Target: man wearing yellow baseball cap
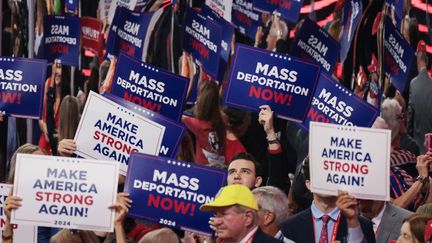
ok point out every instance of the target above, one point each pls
(236, 216)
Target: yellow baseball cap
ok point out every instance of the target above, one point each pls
(232, 195)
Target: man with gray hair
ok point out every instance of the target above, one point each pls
(272, 211)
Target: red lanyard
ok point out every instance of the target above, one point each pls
(335, 227)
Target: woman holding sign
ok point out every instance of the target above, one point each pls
(55, 90)
(208, 125)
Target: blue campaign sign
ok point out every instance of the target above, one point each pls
(62, 39)
(398, 56)
(170, 192)
(174, 131)
(22, 86)
(259, 77)
(333, 103)
(397, 7)
(150, 87)
(314, 43)
(245, 18)
(128, 32)
(202, 39)
(289, 9)
(351, 16)
(227, 37)
(71, 6)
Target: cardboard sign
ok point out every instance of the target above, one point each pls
(65, 192)
(91, 34)
(202, 39)
(128, 32)
(109, 131)
(351, 16)
(333, 103)
(258, 77)
(150, 87)
(114, 4)
(314, 43)
(170, 192)
(22, 86)
(62, 39)
(222, 7)
(174, 131)
(245, 18)
(289, 9)
(398, 56)
(21, 233)
(227, 38)
(356, 160)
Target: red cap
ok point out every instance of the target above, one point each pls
(372, 68)
(428, 231)
(376, 23)
(421, 46)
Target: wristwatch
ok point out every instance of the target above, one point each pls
(275, 140)
(422, 179)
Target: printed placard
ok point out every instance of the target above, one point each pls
(333, 103)
(150, 87)
(91, 34)
(202, 39)
(245, 18)
(103, 8)
(109, 131)
(22, 86)
(128, 32)
(114, 4)
(227, 38)
(352, 159)
(314, 43)
(351, 16)
(170, 192)
(62, 39)
(65, 192)
(289, 9)
(222, 7)
(398, 56)
(258, 77)
(21, 233)
(71, 6)
(174, 131)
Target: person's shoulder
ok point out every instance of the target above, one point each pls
(297, 219)
(260, 236)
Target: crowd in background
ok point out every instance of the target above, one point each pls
(265, 156)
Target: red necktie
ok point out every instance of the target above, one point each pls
(324, 234)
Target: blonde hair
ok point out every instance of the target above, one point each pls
(27, 148)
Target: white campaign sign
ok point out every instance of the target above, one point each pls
(109, 131)
(129, 4)
(21, 233)
(65, 192)
(222, 7)
(352, 159)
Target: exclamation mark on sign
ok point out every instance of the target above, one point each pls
(192, 211)
(158, 108)
(289, 100)
(85, 212)
(362, 181)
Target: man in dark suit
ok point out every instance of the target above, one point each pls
(420, 101)
(387, 218)
(236, 216)
(329, 219)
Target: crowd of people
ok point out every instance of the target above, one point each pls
(267, 197)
